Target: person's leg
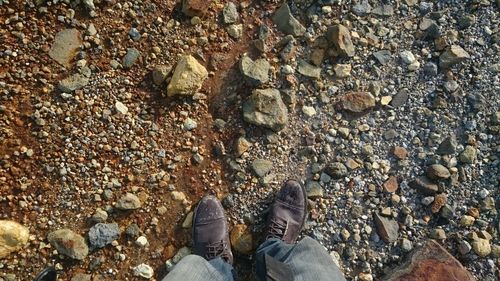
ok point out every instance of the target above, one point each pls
(196, 268)
(305, 261)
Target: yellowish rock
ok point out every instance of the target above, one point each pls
(241, 239)
(13, 236)
(188, 77)
(385, 100)
(481, 247)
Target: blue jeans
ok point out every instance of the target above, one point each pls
(276, 260)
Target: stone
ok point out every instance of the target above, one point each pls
(400, 152)
(13, 237)
(134, 34)
(399, 99)
(261, 167)
(160, 73)
(128, 202)
(407, 57)
(464, 247)
(133, 230)
(120, 107)
(387, 228)
(242, 146)
(314, 190)
(468, 155)
(438, 234)
(391, 184)
(424, 186)
(406, 245)
(178, 195)
(287, 23)
(99, 216)
(308, 70)
(362, 8)
(384, 10)
(193, 8)
(188, 77)
(447, 146)
(188, 221)
(383, 56)
(339, 38)
(439, 201)
(342, 70)
(481, 247)
(68, 243)
(430, 29)
(430, 262)
(467, 220)
(357, 102)
(72, 83)
(430, 69)
(143, 270)
(130, 57)
(235, 30)
(266, 108)
(309, 111)
(452, 56)
(230, 13)
(141, 241)
(81, 277)
(256, 72)
(103, 234)
(241, 239)
(437, 172)
(336, 170)
(189, 124)
(66, 44)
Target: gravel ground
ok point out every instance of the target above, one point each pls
(388, 114)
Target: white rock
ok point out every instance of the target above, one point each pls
(141, 241)
(143, 270)
(309, 111)
(407, 57)
(120, 107)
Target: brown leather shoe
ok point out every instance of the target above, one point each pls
(288, 213)
(210, 233)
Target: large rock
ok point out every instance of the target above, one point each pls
(336, 170)
(241, 239)
(453, 55)
(130, 57)
(72, 83)
(431, 262)
(261, 167)
(339, 38)
(187, 78)
(128, 202)
(357, 102)
(68, 243)
(103, 234)
(287, 23)
(266, 108)
(66, 44)
(230, 13)
(256, 72)
(387, 228)
(193, 8)
(13, 236)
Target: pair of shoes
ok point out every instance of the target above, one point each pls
(48, 274)
(285, 221)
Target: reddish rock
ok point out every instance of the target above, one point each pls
(431, 262)
(438, 203)
(357, 102)
(400, 152)
(195, 7)
(391, 185)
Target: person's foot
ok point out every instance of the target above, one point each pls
(288, 213)
(48, 274)
(210, 233)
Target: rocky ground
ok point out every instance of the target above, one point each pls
(116, 117)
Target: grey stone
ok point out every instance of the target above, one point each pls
(287, 23)
(103, 234)
(265, 108)
(406, 245)
(383, 56)
(339, 38)
(447, 146)
(230, 13)
(261, 167)
(430, 69)
(256, 72)
(430, 27)
(387, 228)
(130, 58)
(362, 8)
(308, 70)
(235, 30)
(437, 172)
(133, 230)
(160, 73)
(453, 55)
(68, 243)
(128, 202)
(384, 10)
(81, 277)
(399, 99)
(314, 190)
(336, 170)
(66, 44)
(134, 34)
(72, 83)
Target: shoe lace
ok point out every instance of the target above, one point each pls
(277, 229)
(217, 249)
